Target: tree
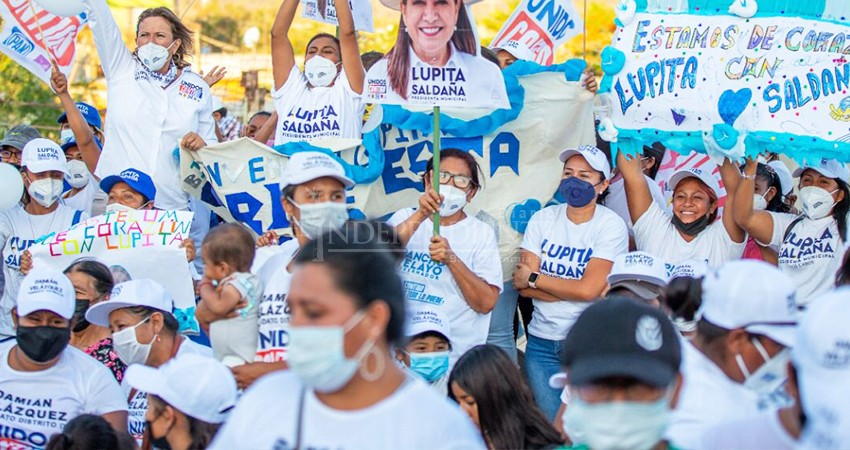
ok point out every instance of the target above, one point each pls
(24, 98)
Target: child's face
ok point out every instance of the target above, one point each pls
(427, 344)
(212, 270)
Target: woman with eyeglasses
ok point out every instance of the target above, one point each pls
(458, 272)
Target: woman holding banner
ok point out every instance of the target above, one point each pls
(812, 244)
(324, 101)
(152, 97)
(435, 60)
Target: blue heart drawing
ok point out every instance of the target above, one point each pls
(732, 104)
(521, 213)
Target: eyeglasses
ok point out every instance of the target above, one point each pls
(7, 154)
(460, 181)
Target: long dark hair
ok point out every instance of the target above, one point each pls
(507, 414)
(178, 30)
(839, 212)
(656, 151)
(398, 58)
(201, 433)
(768, 175)
(85, 432)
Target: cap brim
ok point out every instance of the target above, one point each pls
(681, 175)
(798, 172)
(783, 334)
(98, 314)
(639, 367)
(616, 278)
(145, 379)
(636, 288)
(46, 167)
(566, 154)
(558, 380)
(107, 183)
(346, 182)
(30, 307)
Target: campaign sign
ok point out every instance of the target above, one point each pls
(542, 25)
(325, 12)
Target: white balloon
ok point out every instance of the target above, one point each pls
(11, 186)
(64, 8)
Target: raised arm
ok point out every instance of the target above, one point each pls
(82, 132)
(759, 224)
(283, 55)
(114, 56)
(349, 49)
(638, 195)
(731, 176)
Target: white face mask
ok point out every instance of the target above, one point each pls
(817, 202)
(617, 425)
(154, 56)
(317, 355)
(759, 202)
(770, 376)
(117, 207)
(45, 191)
(66, 135)
(454, 200)
(320, 218)
(320, 71)
(78, 174)
(128, 347)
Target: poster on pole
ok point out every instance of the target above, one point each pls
(543, 26)
(325, 12)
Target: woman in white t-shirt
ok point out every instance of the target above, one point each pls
(458, 272)
(566, 255)
(144, 331)
(43, 167)
(343, 389)
(692, 231)
(45, 382)
(812, 244)
(153, 98)
(324, 101)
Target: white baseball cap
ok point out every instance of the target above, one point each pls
(307, 166)
(638, 266)
(517, 49)
(46, 289)
(786, 181)
(829, 168)
(752, 295)
(595, 157)
(690, 268)
(195, 385)
(131, 293)
(396, 4)
(423, 319)
(702, 174)
(41, 155)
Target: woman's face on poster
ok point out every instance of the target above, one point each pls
(430, 23)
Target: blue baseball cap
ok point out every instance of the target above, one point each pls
(90, 113)
(73, 143)
(136, 179)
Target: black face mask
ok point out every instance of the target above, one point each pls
(156, 442)
(691, 229)
(79, 319)
(42, 344)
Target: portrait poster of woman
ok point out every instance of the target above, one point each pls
(324, 11)
(435, 60)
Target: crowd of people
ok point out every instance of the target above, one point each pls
(712, 320)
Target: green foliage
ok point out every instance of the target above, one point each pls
(24, 98)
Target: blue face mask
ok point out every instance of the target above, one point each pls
(576, 192)
(430, 366)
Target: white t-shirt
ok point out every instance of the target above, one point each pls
(616, 199)
(90, 199)
(466, 81)
(564, 249)
(306, 114)
(18, 231)
(655, 234)
(139, 400)
(146, 122)
(431, 284)
(811, 255)
(708, 398)
(273, 311)
(413, 417)
(35, 405)
(762, 431)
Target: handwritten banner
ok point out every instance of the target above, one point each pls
(22, 40)
(542, 25)
(134, 244)
(780, 82)
(325, 12)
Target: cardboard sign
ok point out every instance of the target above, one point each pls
(325, 12)
(542, 25)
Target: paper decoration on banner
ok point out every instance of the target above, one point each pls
(542, 25)
(699, 77)
(22, 40)
(134, 244)
(516, 149)
(460, 78)
(325, 12)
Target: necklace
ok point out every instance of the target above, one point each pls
(49, 225)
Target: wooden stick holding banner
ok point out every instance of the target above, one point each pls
(41, 34)
(435, 180)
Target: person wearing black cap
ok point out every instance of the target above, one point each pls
(624, 386)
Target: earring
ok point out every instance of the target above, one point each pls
(380, 365)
